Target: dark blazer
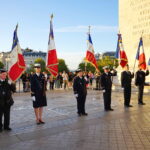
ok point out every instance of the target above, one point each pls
(6, 91)
(79, 86)
(140, 77)
(106, 81)
(38, 90)
(126, 78)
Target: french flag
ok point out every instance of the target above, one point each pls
(140, 56)
(120, 53)
(52, 61)
(90, 53)
(16, 59)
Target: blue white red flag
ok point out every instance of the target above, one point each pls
(90, 57)
(120, 53)
(52, 61)
(140, 56)
(16, 59)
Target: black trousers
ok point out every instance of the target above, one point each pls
(140, 93)
(5, 111)
(127, 95)
(81, 104)
(107, 99)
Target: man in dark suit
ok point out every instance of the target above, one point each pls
(106, 84)
(6, 100)
(140, 82)
(126, 79)
(80, 91)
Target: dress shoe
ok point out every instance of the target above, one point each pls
(128, 105)
(38, 122)
(111, 109)
(141, 103)
(79, 114)
(7, 129)
(41, 122)
(85, 114)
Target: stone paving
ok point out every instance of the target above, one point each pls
(122, 129)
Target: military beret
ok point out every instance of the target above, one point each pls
(37, 66)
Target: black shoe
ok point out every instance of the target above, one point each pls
(141, 103)
(79, 114)
(38, 123)
(7, 129)
(85, 114)
(128, 105)
(111, 109)
(106, 109)
(41, 122)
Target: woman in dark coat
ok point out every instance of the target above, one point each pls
(38, 93)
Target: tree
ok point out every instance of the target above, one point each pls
(105, 61)
(86, 67)
(62, 66)
(1, 65)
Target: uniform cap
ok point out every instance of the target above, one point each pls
(37, 66)
(78, 70)
(106, 67)
(2, 70)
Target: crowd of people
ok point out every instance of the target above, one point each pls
(36, 83)
(62, 81)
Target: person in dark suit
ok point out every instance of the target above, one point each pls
(38, 93)
(6, 100)
(80, 92)
(140, 82)
(126, 79)
(106, 85)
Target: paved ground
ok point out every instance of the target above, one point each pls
(122, 129)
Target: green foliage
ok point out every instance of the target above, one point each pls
(62, 66)
(1, 65)
(105, 61)
(87, 67)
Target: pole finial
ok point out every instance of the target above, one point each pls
(52, 16)
(89, 29)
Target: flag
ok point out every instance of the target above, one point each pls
(52, 61)
(90, 57)
(120, 53)
(16, 59)
(148, 62)
(140, 56)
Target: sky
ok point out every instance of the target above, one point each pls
(70, 23)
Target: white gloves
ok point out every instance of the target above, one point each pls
(33, 98)
(76, 95)
(103, 91)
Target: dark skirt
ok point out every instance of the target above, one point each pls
(40, 100)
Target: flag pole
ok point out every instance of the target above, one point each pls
(85, 60)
